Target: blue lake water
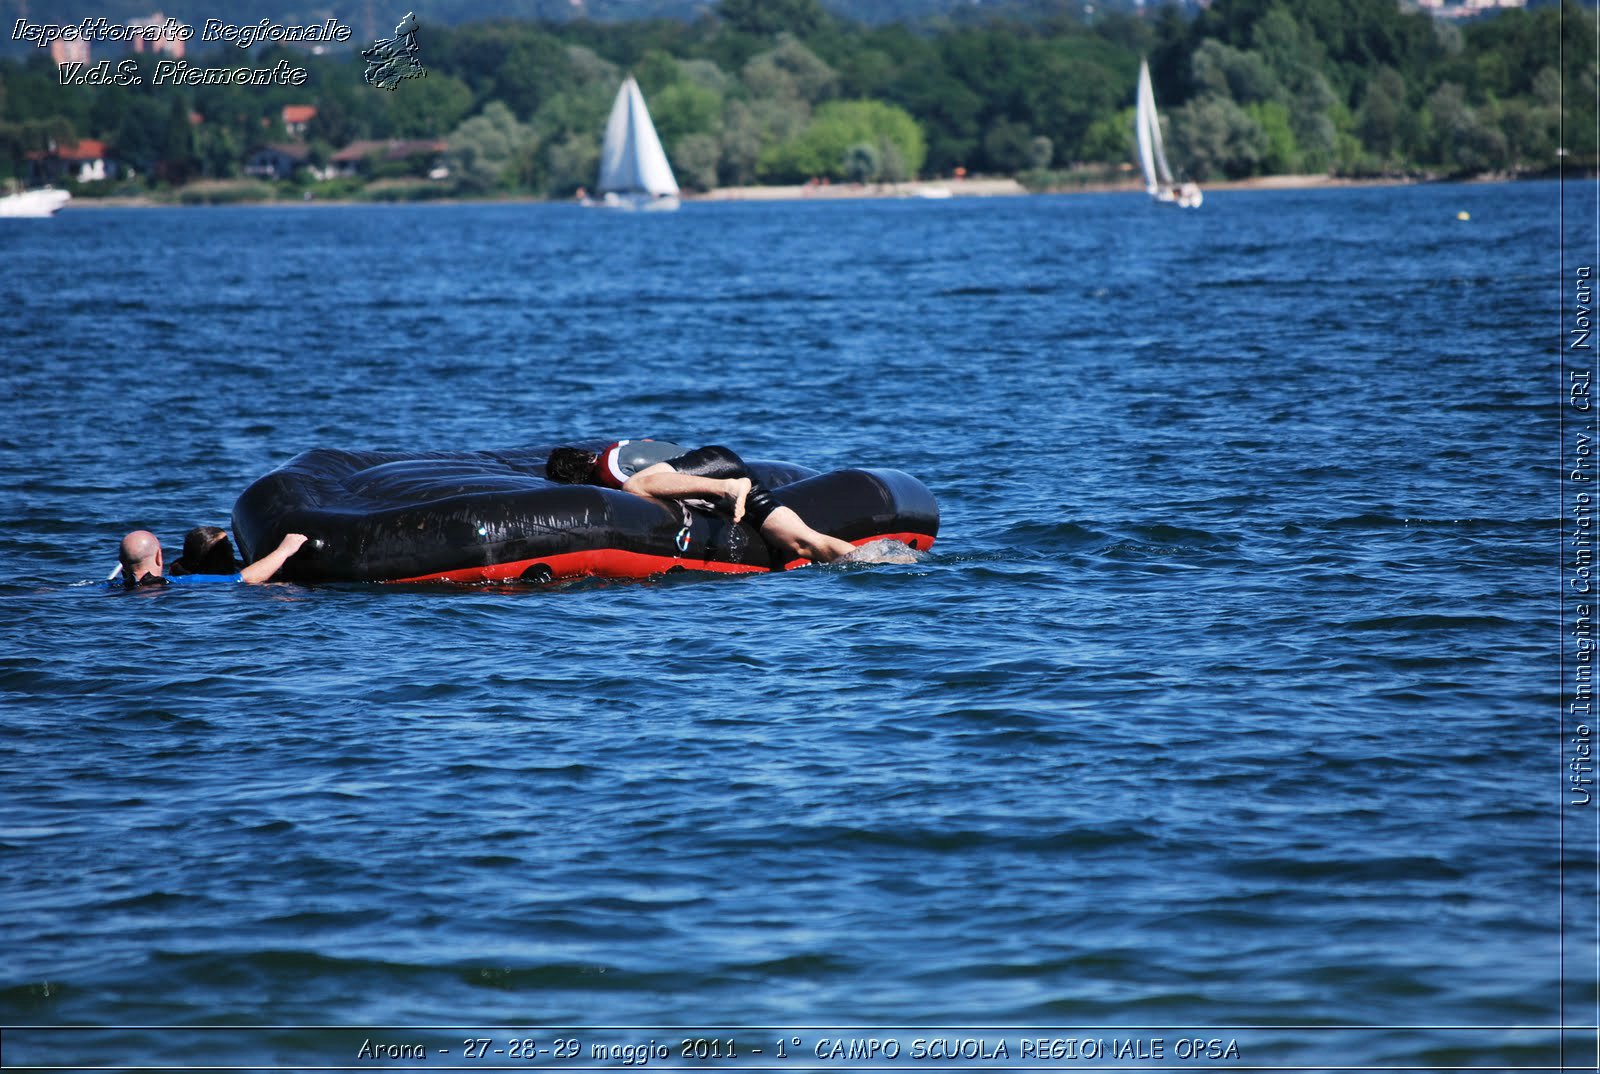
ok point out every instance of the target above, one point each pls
(1227, 696)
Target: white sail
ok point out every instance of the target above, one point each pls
(1144, 109)
(1152, 154)
(1158, 181)
(632, 162)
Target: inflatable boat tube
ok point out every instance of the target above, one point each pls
(489, 516)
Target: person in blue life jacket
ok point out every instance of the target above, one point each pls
(141, 563)
(658, 469)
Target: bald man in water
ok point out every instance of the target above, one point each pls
(140, 555)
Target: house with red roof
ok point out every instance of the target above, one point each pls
(416, 157)
(296, 117)
(84, 161)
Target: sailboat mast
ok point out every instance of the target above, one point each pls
(1152, 152)
(1144, 111)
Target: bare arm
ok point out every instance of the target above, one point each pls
(783, 526)
(664, 483)
(265, 567)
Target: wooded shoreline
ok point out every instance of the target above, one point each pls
(964, 188)
(763, 94)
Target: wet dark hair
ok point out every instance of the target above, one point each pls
(207, 550)
(571, 466)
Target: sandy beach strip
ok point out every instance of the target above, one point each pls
(981, 187)
(930, 188)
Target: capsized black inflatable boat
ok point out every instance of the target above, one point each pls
(475, 516)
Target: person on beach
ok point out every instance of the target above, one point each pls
(657, 469)
(141, 563)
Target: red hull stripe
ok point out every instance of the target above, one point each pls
(615, 563)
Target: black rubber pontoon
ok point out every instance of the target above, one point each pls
(475, 516)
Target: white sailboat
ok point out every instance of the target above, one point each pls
(634, 173)
(42, 202)
(1158, 181)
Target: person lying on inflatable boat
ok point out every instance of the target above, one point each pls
(658, 469)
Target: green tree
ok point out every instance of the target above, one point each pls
(530, 71)
(867, 72)
(179, 159)
(695, 161)
(333, 122)
(1279, 152)
(1355, 37)
(588, 70)
(1461, 141)
(706, 75)
(1291, 50)
(789, 70)
(1225, 71)
(897, 137)
(739, 146)
(763, 18)
(1380, 121)
(1110, 139)
(951, 111)
(1082, 79)
(684, 109)
(655, 71)
(861, 162)
(1041, 153)
(1532, 124)
(483, 149)
(475, 53)
(1213, 136)
(1006, 147)
(17, 140)
(430, 106)
(1528, 132)
(576, 111)
(1546, 88)
(1286, 45)
(748, 127)
(571, 161)
(141, 136)
(820, 149)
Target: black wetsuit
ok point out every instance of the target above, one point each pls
(625, 458)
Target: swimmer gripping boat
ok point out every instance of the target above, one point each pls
(42, 202)
(1158, 181)
(634, 173)
(488, 516)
